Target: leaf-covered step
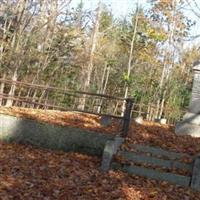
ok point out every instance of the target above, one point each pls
(154, 174)
(142, 159)
(155, 151)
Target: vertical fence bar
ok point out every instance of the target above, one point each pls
(127, 117)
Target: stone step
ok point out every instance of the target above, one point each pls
(142, 159)
(154, 174)
(155, 151)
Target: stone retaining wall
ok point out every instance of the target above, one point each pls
(26, 131)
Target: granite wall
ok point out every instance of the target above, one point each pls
(26, 131)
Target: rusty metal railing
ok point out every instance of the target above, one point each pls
(48, 97)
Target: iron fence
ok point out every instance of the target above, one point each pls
(28, 95)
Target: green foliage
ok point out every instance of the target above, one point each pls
(55, 50)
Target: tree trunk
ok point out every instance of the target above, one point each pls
(130, 57)
(90, 66)
(11, 93)
(167, 67)
(104, 88)
(2, 89)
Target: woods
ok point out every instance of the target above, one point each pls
(142, 56)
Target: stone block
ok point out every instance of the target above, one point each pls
(184, 128)
(163, 121)
(110, 150)
(191, 118)
(139, 120)
(194, 104)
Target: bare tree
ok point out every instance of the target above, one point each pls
(131, 55)
(89, 69)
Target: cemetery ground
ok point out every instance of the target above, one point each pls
(27, 172)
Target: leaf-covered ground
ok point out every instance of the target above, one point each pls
(27, 172)
(30, 173)
(154, 134)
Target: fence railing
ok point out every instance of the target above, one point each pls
(22, 94)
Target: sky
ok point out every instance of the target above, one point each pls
(121, 8)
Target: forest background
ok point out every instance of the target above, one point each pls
(145, 51)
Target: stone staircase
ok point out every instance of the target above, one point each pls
(154, 163)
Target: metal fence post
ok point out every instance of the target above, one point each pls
(127, 117)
